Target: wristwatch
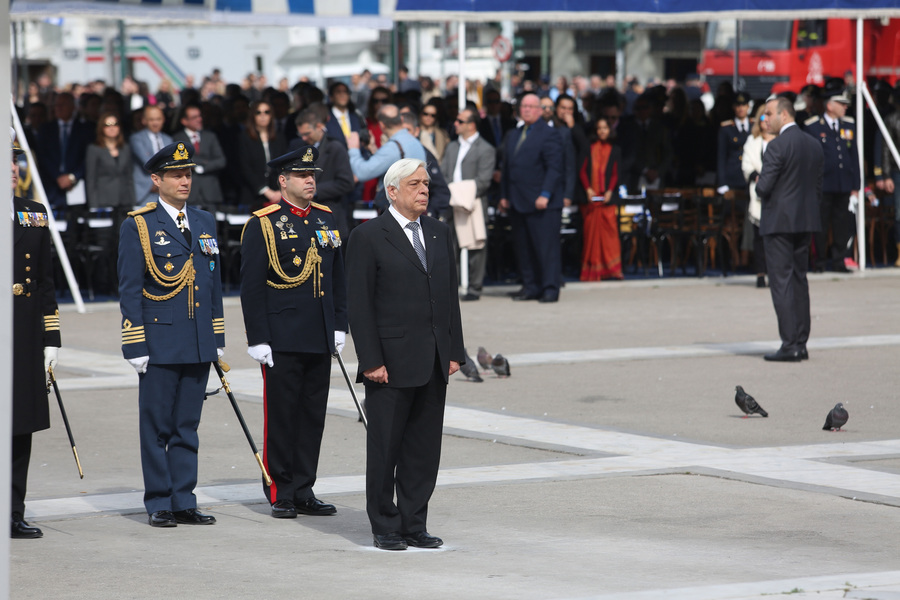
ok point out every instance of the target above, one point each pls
(72, 178)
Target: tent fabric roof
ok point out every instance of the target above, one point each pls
(643, 11)
(302, 13)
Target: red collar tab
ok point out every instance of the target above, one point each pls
(300, 212)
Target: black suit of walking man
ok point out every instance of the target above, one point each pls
(406, 326)
(789, 187)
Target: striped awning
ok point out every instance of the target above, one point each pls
(305, 13)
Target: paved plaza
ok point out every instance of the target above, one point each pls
(613, 463)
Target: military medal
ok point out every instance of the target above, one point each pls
(297, 261)
(284, 218)
(335, 238)
(169, 267)
(208, 244)
(322, 224)
(32, 219)
(161, 241)
(322, 237)
(212, 265)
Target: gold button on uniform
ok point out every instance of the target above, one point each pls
(27, 280)
(27, 256)
(155, 320)
(196, 304)
(196, 287)
(27, 268)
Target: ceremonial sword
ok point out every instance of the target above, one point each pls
(52, 382)
(362, 413)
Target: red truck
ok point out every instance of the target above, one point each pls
(778, 56)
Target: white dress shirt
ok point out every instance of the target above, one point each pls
(464, 146)
(404, 222)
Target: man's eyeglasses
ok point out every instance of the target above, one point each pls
(461, 122)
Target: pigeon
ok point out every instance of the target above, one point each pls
(747, 403)
(836, 418)
(484, 359)
(469, 369)
(500, 366)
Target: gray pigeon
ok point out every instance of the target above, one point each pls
(836, 418)
(500, 366)
(484, 359)
(469, 369)
(747, 403)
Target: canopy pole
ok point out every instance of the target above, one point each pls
(861, 204)
(737, 55)
(461, 100)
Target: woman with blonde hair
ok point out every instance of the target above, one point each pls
(751, 165)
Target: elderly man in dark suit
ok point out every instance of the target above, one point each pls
(407, 330)
(207, 154)
(336, 179)
(789, 187)
(62, 149)
(531, 188)
(470, 157)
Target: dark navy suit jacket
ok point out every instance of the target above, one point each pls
(535, 168)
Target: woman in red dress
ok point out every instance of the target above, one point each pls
(601, 256)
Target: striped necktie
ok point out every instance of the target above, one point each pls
(417, 243)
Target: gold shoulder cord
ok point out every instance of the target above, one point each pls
(183, 278)
(312, 264)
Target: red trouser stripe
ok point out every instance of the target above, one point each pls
(273, 489)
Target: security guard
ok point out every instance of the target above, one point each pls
(837, 133)
(732, 136)
(294, 300)
(172, 329)
(36, 340)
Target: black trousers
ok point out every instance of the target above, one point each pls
(403, 451)
(835, 215)
(787, 256)
(21, 456)
(295, 396)
(537, 243)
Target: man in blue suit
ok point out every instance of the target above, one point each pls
(62, 148)
(344, 118)
(531, 188)
(144, 144)
(173, 326)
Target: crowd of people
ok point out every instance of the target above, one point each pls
(605, 143)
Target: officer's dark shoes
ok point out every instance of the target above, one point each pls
(390, 541)
(192, 516)
(20, 529)
(315, 507)
(162, 518)
(422, 539)
(284, 509)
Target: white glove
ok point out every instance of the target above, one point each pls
(51, 354)
(220, 352)
(140, 363)
(722, 190)
(261, 353)
(852, 207)
(339, 339)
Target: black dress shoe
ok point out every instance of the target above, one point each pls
(192, 516)
(284, 509)
(20, 529)
(523, 297)
(784, 356)
(422, 539)
(470, 298)
(804, 355)
(760, 281)
(549, 297)
(390, 541)
(315, 507)
(162, 518)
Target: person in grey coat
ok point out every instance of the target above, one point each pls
(471, 157)
(144, 144)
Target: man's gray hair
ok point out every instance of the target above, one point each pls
(402, 169)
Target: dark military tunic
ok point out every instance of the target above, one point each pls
(35, 316)
(293, 296)
(730, 154)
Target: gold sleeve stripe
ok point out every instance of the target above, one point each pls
(134, 341)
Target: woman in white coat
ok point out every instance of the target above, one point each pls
(751, 164)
